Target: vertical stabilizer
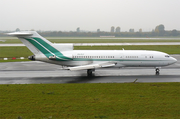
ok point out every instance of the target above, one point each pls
(26, 38)
(39, 45)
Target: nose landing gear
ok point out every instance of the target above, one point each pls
(157, 71)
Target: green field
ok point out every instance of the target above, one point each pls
(14, 51)
(92, 40)
(90, 101)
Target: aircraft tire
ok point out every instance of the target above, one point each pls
(157, 71)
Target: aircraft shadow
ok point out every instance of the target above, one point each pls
(84, 79)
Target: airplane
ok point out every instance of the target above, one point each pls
(69, 59)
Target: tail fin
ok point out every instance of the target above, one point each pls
(39, 45)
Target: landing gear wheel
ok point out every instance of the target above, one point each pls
(157, 71)
(89, 72)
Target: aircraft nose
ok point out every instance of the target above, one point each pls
(174, 60)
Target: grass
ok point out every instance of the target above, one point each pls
(88, 101)
(14, 60)
(14, 51)
(94, 40)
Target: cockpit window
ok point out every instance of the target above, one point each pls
(167, 56)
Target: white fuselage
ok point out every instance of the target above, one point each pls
(122, 58)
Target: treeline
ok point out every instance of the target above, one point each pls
(173, 33)
(109, 34)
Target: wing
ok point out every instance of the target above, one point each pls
(93, 66)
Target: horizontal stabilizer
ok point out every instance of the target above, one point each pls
(19, 34)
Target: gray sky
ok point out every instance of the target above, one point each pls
(67, 15)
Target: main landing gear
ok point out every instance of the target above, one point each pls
(157, 71)
(89, 72)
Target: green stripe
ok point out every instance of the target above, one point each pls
(48, 46)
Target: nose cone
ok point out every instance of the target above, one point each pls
(173, 60)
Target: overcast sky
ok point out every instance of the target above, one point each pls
(67, 15)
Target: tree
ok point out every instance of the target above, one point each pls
(174, 32)
(17, 30)
(160, 29)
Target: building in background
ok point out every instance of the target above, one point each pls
(118, 29)
(140, 30)
(78, 29)
(98, 30)
(131, 30)
(112, 29)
